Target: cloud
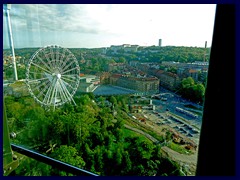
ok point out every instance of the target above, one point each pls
(112, 23)
(50, 17)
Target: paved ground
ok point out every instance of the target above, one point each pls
(160, 120)
(112, 90)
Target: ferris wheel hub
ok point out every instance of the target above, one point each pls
(58, 76)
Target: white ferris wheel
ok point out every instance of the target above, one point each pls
(53, 76)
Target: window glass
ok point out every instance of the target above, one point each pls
(113, 89)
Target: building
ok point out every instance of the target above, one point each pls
(124, 48)
(194, 74)
(169, 80)
(181, 72)
(92, 79)
(115, 48)
(104, 77)
(88, 83)
(160, 42)
(86, 87)
(104, 50)
(134, 63)
(131, 48)
(194, 65)
(203, 75)
(147, 85)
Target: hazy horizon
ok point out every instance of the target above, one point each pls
(103, 25)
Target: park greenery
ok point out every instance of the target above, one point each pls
(90, 135)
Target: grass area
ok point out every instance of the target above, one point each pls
(130, 122)
(17, 84)
(134, 123)
(130, 133)
(178, 148)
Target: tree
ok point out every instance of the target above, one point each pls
(21, 72)
(122, 60)
(16, 110)
(118, 156)
(192, 91)
(98, 158)
(172, 70)
(36, 113)
(168, 136)
(31, 167)
(126, 163)
(68, 154)
(119, 135)
(8, 73)
(199, 92)
(37, 132)
(111, 61)
(101, 101)
(187, 82)
(84, 100)
(169, 168)
(113, 100)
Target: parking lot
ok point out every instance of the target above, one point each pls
(169, 120)
(174, 102)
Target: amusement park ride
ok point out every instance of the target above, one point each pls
(53, 76)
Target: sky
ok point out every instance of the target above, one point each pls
(103, 25)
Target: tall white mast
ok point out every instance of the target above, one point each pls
(7, 8)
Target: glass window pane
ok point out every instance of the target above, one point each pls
(115, 89)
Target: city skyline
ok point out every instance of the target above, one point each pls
(94, 26)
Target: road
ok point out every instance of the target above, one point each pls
(112, 90)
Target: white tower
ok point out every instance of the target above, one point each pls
(7, 8)
(205, 51)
